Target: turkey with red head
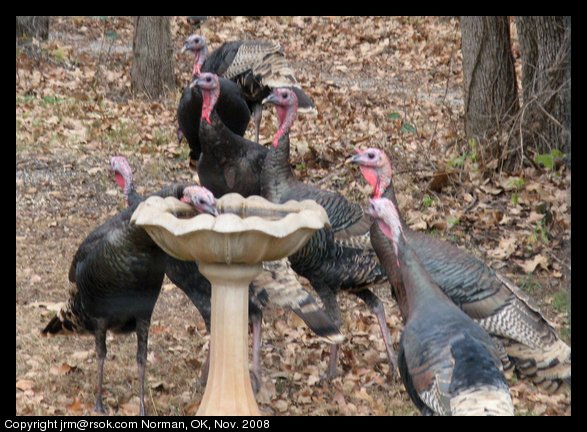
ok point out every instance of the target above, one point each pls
(449, 365)
(277, 284)
(232, 106)
(330, 265)
(117, 274)
(492, 300)
(257, 66)
(229, 162)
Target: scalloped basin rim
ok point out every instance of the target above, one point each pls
(158, 212)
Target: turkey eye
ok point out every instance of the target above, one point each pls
(371, 155)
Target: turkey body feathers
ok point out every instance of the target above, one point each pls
(328, 265)
(229, 162)
(499, 307)
(444, 353)
(280, 185)
(118, 271)
(257, 66)
(232, 109)
(490, 299)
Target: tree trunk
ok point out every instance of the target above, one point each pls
(545, 45)
(152, 64)
(491, 98)
(29, 26)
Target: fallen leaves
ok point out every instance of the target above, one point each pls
(162, 386)
(505, 249)
(77, 406)
(280, 405)
(82, 355)
(491, 190)
(312, 379)
(62, 369)
(530, 265)
(359, 70)
(130, 408)
(51, 306)
(24, 384)
(419, 226)
(35, 279)
(439, 181)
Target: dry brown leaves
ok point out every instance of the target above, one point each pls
(388, 82)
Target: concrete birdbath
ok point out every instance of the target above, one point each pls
(229, 250)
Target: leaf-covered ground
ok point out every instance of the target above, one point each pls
(388, 82)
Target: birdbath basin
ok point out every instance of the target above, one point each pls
(229, 250)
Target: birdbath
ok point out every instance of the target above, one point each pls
(229, 250)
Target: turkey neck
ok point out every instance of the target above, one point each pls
(383, 184)
(389, 193)
(199, 59)
(287, 116)
(125, 181)
(380, 178)
(277, 172)
(209, 99)
(130, 193)
(418, 289)
(384, 251)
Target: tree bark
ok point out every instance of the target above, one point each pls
(545, 45)
(491, 95)
(29, 26)
(152, 65)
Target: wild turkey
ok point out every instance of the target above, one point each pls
(493, 301)
(229, 162)
(277, 283)
(231, 107)
(257, 66)
(118, 271)
(448, 364)
(328, 264)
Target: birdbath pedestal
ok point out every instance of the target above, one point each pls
(229, 250)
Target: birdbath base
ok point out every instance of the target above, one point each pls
(229, 250)
(228, 390)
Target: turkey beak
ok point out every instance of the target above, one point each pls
(270, 99)
(371, 209)
(355, 159)
(186, 47)
(211, 209)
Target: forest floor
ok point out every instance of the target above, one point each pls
(390, 82)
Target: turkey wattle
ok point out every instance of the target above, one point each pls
(277, 284)
(493, 301)
(330, 265)
(449, 365)
(117, 271)
(257, 66)
(231, 106)
(229, 162)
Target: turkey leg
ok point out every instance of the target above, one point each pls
(142, 341)
(100, 337)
